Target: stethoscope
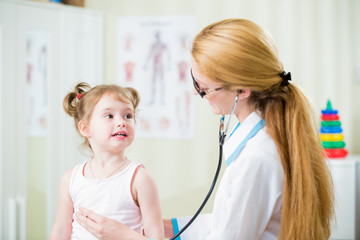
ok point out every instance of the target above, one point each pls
(222, 136)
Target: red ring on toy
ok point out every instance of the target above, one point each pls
(331, 117)
(336, 153)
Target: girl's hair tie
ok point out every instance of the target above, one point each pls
(79, 96)
(286, 78)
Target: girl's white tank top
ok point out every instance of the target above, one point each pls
(110, 197)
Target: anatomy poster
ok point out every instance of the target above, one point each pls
(37, 55)
(153, 56)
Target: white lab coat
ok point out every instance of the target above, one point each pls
(248, 201)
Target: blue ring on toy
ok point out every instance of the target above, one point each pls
(331, 130)
(329, 111)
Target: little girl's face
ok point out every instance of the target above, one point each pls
(112, 125)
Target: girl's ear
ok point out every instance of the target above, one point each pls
(83, 129)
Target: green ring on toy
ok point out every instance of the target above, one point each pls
(331, 137)
(329, 117)
(330, 123)
(339, 144)
(336, 153)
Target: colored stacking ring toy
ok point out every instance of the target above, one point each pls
(331, 133)
(339, 144)
(336, 153)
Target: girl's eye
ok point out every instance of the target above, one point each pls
(128, 116)
(109, 116)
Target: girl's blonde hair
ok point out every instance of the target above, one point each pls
(237, 53)
(81, 102)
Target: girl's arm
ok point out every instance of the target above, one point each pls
(168, 228)
(62, 227)
(145, 193)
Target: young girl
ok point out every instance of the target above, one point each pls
(109, 183)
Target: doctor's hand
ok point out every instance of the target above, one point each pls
(104, 228)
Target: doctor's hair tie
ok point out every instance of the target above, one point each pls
(79, 96)
(286, 78)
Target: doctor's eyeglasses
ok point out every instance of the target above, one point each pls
(202, 92)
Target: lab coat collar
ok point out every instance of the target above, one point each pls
(239, 133)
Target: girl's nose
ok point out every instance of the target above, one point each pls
(122, 123)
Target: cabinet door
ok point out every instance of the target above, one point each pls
(37, 66)
(344, 178)
(11, 141)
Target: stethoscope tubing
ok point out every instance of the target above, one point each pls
(222, 135)
(208, 194)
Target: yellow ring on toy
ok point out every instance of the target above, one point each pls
(331, 137)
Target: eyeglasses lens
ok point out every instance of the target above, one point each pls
(196, 86)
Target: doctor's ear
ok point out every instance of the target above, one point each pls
(243, 93)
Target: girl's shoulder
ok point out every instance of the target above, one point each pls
(69, 174)
(140, 173)
(141, 178)
(142, 184)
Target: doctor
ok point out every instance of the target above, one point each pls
(276, 184)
